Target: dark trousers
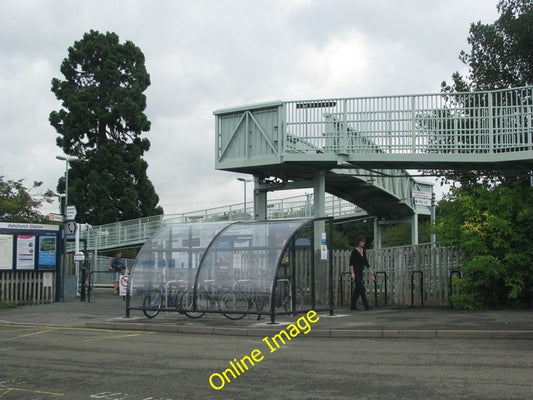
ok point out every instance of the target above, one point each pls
(358, 290)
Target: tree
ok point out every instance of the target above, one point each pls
(101, 122)
(489, 214)
(491, 226)
(500, 56)
(501, 53)
(17, 203)
(345, 233)
(400, 234)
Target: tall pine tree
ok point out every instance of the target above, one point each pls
(101, 122)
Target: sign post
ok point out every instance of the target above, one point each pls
(123, 285)
(70, 228)
(71, 213)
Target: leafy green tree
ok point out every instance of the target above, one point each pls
(491, 226)
(400, 234)
(346, 233)
(101, 122)
(489, 214)
(500, 56)
(17, 204)
(501, 53)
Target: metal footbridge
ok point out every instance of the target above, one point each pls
(430, 131)
(362, 146)
(358, 151)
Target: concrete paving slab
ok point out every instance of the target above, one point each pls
(106, 311)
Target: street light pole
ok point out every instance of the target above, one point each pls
(67, 159)
(244, 181)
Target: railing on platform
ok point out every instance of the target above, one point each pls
(137, 231)
(443, 123)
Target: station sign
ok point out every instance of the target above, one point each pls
(421, 195)
(55, 217)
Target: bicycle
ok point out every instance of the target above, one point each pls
(284, 299)
(168, 294)
(195, 301)
(236, 304)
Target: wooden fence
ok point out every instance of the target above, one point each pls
(405, 276)
(27, 287)
(414, 275)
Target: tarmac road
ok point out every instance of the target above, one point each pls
(44, 362)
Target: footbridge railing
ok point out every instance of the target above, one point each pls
(445, 123)
(137, 231)
(410, 131)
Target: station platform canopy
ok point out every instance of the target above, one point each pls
(235, 268)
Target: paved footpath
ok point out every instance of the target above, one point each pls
(109, 312)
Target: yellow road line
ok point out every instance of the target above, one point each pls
(41, 331)
(119, 336)
(9, 390)
(30, 334)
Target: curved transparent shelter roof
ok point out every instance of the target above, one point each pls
(248, 254)
(252, 257)
(171, 257)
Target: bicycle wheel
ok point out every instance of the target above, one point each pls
(152, 304)
(261, 297)
(301, 299)
(283, 298)
(176, 299)
(194, 303)
(234, 305)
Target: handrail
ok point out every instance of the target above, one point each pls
(496, 121)
(376, 287)
(137, 231)
(90, 286)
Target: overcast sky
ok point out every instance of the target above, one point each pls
(204, 55)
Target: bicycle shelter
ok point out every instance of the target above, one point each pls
(258, 267)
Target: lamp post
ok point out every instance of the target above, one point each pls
(67, 160)
(244, 181)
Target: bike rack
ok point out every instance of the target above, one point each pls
(453, 272)
(421, 281)
(376, 287)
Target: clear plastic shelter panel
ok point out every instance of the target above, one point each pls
(246, 255)
(172, 257)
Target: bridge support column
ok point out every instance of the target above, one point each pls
(377, 234)
(319, 198)
(414, 229)
(260, 202)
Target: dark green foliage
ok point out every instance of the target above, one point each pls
(4, 306)
(101, 122)
(17, 204)
(489, 215)
(501, 54)
(400, 235)
(345, 233)
(492, 227)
